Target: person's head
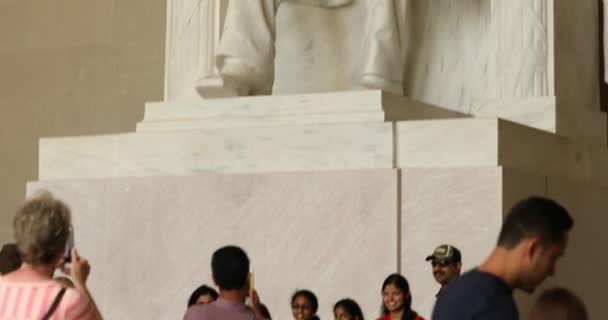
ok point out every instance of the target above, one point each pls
(9, 258)
(535, 232)
(446, 262)
(202, 295)
(230, 267)
(347, 309)
(396, 295)
(558, 304)
(64, 281)
(42, 226)
(304, 305)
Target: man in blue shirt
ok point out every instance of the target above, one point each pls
(533, 236)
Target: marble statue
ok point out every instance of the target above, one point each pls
(193, 32)
(246, 53)
(510, 59)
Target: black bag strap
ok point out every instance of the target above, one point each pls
(55, 304)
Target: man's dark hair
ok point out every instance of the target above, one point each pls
(230, 267)
(535, 216)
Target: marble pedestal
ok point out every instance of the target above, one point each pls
(338, 233)
(330, 192)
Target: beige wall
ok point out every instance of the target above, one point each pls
(71, 67)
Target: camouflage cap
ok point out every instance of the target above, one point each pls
(445, 253)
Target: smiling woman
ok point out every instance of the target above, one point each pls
(397, 299)
(304, 305)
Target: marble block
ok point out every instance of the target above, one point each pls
(459, 206)
(465, 207)
(336, 232)
(333, 107)
(294, 148)
(535, 112)
(419, 143)
(492, 142)
(150, 239)
(282, 110)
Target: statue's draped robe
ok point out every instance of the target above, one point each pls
(249, 35)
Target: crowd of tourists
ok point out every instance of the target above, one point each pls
(534, 235)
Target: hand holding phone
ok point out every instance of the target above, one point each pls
(67, 255)
(251, 288)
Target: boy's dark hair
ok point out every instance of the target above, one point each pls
(535, 216)
(230, 267)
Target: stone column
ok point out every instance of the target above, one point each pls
(193, 33)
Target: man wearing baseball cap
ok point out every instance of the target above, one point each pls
(446, 261)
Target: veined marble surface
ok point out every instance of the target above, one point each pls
(444, 206)
(282, 110)
(365, 145)
(470, 56)
(150, 239)
(458, 206)
(492, 142)
(294, 148)
(339, 233)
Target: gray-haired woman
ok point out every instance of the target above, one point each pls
(42, 227)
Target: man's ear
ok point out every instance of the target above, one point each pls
(458, 266)
(531, 247)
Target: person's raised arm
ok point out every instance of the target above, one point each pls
(80, 272)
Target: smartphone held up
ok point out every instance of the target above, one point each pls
(67, 255)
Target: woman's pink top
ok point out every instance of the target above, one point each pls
(31, 300)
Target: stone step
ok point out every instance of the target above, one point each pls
(420, 143)
(282, 110)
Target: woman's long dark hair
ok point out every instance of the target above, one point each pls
(312, 299)
(201, 291)
(400, 282)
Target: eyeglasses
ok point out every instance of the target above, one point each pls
(440, 263)
(300, 306)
